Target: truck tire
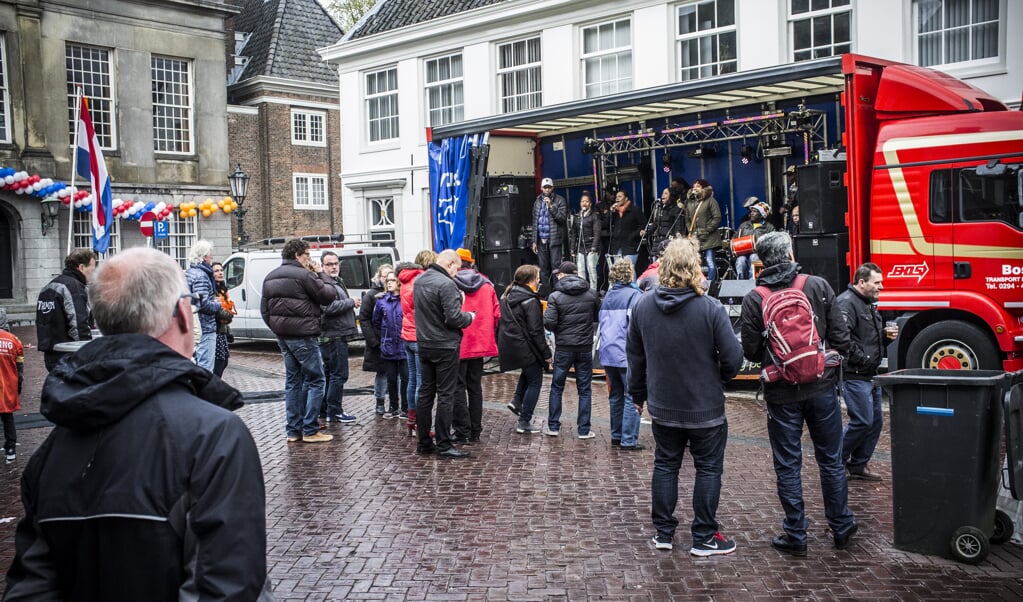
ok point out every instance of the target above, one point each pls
(953, 345)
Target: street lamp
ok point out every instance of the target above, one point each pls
(51, 209)
(239, 187)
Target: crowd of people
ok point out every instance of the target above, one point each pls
(151, 383)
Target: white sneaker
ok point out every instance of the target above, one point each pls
(589, 435)
(550, 433)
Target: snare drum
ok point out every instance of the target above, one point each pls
(726, 233)
(742, 245)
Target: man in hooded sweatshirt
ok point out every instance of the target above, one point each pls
(148, 487)
(685, 392)
(571, 313)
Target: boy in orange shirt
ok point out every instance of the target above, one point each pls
(12, 372)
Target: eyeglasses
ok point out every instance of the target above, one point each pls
(192, 298)
(331, 264)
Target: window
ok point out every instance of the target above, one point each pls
(310, 191)
(5, 99)
(234, 272)
(706, 39)
(81, 232)
(182, 233)
(956, 31)
(518, 75)
(381, 218)
(607, 58)
(352, 270)
(993, 197)
(382, 104)
(172, 105)
(444, 100)
(90, 68)
(819, 28)
(307, 128)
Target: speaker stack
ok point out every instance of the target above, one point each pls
(823, 240)
(503, 216)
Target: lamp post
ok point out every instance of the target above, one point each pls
(239, 187)
(51, 209)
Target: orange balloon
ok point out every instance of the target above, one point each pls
(206, 213)
(228, 209)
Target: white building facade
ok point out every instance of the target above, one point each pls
(402, 73)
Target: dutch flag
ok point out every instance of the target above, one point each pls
(92, 167)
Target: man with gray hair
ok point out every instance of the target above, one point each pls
(206, 304)
(148, 487)
(790, 405)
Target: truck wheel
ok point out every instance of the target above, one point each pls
(969, 545)
(953, 346)
(1003, 528)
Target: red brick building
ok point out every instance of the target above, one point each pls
(284, 118)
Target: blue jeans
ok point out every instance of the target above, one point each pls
(414, 374)
(624, 417)
(823, 416)
(380, 385)
(587, 264)
(303, 384)
(206, 350)
(712, 268)
(528, 391)
(744, 266)
(707, 447)
(335, 368)
(563, 361)
(863, 401)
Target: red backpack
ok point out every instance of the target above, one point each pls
(793, 343)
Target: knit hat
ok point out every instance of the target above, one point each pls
(566, 267)
(465, 255)
(762, 209)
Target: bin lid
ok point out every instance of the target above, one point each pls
(926, 376)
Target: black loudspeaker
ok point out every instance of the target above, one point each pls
(503, 216)
(500, 266)
(823, 197)
(824, 255)
(731, 292)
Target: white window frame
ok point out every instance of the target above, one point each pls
(303, 134)
(81, 232)
(378, 98)
(382, 224)
(168, 105)
(102, 97)
(833, 49)
(451, 90)
(302, 186)
(182, 234)
(708, 41)
(514, 82)
(604, 56)
(970, 63)
(5, 97)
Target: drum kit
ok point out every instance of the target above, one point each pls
(733, 247)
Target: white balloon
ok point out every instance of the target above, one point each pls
(9, 180)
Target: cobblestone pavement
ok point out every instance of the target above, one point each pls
(540, 518)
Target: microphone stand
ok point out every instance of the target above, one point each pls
(656, 211)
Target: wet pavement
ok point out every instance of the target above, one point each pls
(537, 517)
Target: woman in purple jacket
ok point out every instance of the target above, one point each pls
(387, 317)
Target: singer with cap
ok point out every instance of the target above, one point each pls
(756, 226)
(550, 217)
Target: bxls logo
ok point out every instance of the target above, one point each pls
(904, 270)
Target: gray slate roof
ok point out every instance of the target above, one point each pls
(395, 14)
(285, 37)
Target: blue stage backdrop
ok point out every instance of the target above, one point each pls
(449, 190)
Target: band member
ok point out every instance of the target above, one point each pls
(756, 226)
(665, 220)
(584, 235)
(703, 216)
(626, 223)
(550, 216)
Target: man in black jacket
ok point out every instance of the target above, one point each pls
(337, 326)
(439, 324)
(292, 297)
(572, 311)
(550, 217)
(63, 313)
(145, 489)
(789, 405)
(863, 400)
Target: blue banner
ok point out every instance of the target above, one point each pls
(450, 164)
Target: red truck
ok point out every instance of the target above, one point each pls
(936, 199)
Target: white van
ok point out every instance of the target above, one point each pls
(245, 270)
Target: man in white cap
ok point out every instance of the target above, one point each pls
(550, 215)
(756, 226)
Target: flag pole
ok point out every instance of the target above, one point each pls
(74, 171)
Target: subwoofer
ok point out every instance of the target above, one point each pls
(500, 266)
(823, 197)
(503, 216)
(823, 255)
